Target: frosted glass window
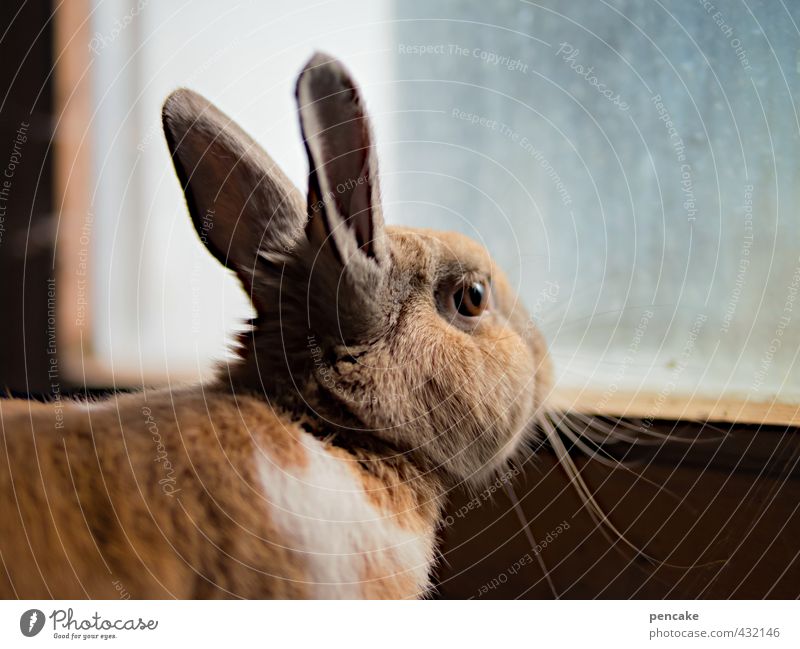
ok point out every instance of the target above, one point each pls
(634, 166)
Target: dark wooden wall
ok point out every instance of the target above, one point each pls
(728, 506)
(26, 236)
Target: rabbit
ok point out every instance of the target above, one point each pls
(384, 366)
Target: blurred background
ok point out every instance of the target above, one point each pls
(631, 164)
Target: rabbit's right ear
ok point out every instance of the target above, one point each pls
(344, 208)
(349, 248)
(242, 205)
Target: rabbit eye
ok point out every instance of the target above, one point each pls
(472, 299)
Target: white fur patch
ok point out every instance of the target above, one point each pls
(323, 513)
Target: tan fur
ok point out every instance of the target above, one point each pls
(387, 580)
(93, 511)
(317, 464)
(157, 545)
(467, 394)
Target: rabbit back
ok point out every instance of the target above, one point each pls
(200, 494)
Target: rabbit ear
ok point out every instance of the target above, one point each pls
(344, 209)
(242, 205)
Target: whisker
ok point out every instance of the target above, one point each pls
(605, 432)
(610, 428)
(512, 495)
(592, 506)
(611, 462)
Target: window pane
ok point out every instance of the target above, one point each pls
(633, 165)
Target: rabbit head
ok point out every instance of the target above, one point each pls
(412, 338)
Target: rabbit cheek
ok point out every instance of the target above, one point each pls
(470, 411)
(510, 383)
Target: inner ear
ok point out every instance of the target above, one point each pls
(350, 170)
(344, 196)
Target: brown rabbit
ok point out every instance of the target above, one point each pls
(385, 365)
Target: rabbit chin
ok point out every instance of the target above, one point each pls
(497, 465)
(497, 456)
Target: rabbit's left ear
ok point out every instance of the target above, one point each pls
(344, 208)
(245, 210)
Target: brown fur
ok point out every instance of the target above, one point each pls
(84, 508)
(207, 539)
(361, 395)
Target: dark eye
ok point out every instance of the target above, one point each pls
(471, 299)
